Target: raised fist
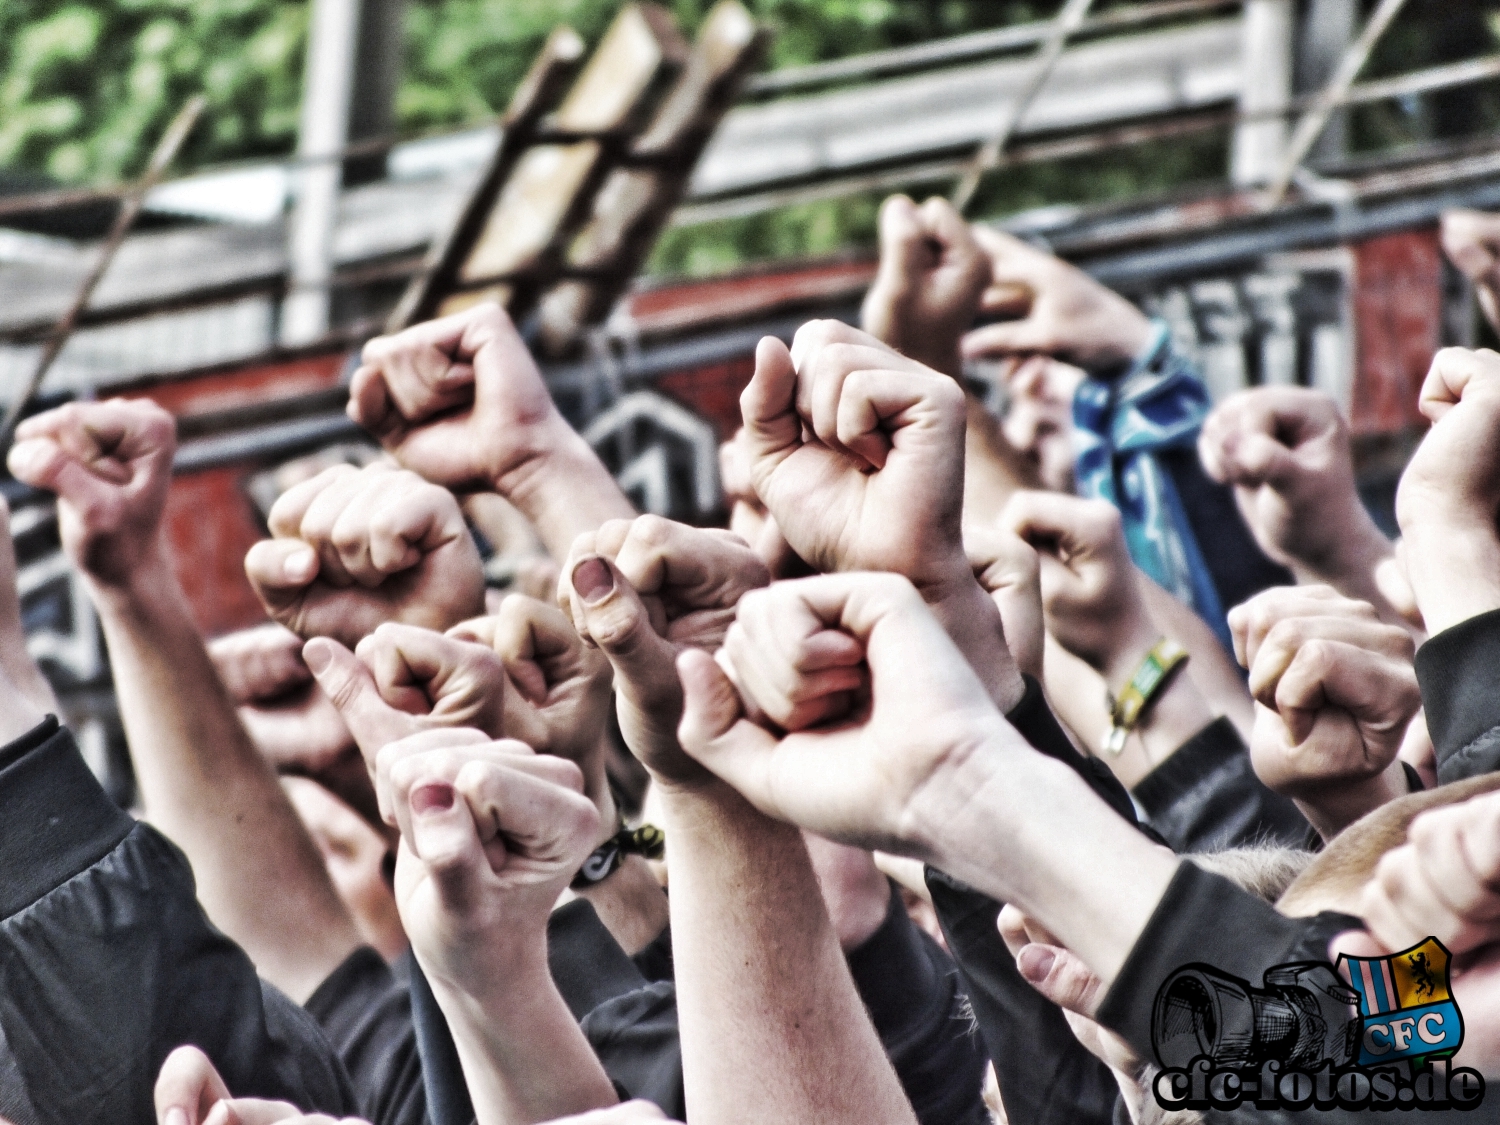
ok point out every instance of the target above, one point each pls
(558, 690)
(291, 721)
(858, 454)
(1093, 604)
(1285, 451)
(354, 548)
(642, 591)
(110, 464)
(1055, 308)
(1449, 496)
(927, 289)
(922, 710)
(1334, 690)
(491, 834)
(459, 400)
(1471, 239)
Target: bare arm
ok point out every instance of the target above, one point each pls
(460, 401)
(772, 1027)
(203, 783)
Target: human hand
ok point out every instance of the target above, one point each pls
(189, 1091)
(459, 400)
(1334, 690)
(1038, 420)
(858, 453)
(289, 718)
(402, 680)
(1285, 451)
(1093, 605)
(1442, 882)
(1449, 495)
(1471, 239)
(1009, 570)
(110, 464)
(748, 517)
(491, 834)
(558, 690)
(1069, 315)
(857, 782)
(642, 591)
(354, 548)
(1061, 976)
(927, 289)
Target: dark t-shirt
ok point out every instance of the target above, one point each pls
(107, 962)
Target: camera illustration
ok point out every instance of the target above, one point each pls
(1304, 1015)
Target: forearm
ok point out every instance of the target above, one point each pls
(772, 1027)
(564, 491)
(993, 821)
(1331, 812)
(204, 784)
(524, 1057)
(1350, 563)
(972, 620)
(1217, 678)
(631, 904)
(1454, 572)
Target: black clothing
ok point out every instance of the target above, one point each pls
(107, 962)
(1459, 673)
(1204, 918)
(1206, 797)
(366, 1012)
(1046, 1077)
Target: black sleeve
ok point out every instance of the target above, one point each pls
(1045, 1075)
(107, 962)
(1205, 919)
(366, 1014)
(1206, 797)
(1459, 672)
(910, 987)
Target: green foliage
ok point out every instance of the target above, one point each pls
(87, 88)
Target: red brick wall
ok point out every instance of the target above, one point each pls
(1398, 295)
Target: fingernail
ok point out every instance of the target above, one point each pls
(593, 580)
(317, 656)
(299, 564)
(175, 1116)
(436, 797)
(1035, 962)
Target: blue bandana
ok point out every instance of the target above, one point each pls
(1119, 427)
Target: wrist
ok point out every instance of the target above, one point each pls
(1333, 807)
(972, 620)
(505, 968)
(1349, 558)
(147, 590)
(1454, 571)
(1137, 637)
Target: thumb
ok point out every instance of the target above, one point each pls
(348, 682)
(768, 405)
(444, 838)
(187, 1088)
(280, 570)
(1061, 977)
(715, 732)
(608, 612)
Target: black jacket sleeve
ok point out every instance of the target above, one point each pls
(1459, 673)
(1045, 1075)
(107, 962)
(1206, 797)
